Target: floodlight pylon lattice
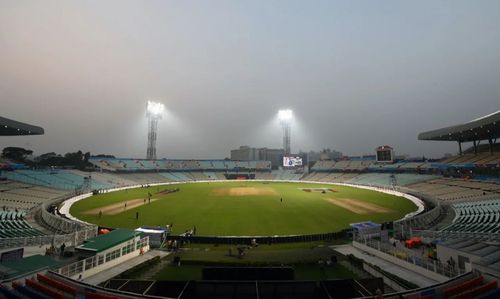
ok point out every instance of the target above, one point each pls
(285, 118)
(286, 137)
(152, 132)
(154, 113)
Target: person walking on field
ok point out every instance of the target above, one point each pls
(137, 215)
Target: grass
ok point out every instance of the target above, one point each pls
(303, 257)
(276, 254)
(302, 272)
(196, 205)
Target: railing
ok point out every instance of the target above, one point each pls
(79, 267)
(443, 235)
(411, 257)
(404, 226)
(264, 239)
(59, 223)
(67, 231)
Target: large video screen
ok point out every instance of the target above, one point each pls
(292, 161)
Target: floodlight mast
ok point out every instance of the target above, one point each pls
(285, 118)
(154, 113)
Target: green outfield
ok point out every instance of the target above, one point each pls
(243, 208)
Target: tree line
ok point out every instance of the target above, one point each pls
(78, 159)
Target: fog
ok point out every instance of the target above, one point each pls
(357, 74)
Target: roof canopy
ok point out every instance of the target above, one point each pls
(9, 127)
(109, 240)
(483, 128)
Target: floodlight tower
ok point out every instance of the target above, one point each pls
(154, 113)
(285, 118)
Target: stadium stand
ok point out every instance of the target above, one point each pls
(130, 165)
(286, 175)
(468, 286)
(13, 225)
(478, 216)
(58, 179)
(482, 156)
(386, 179)
(25, 196)
(454, 190)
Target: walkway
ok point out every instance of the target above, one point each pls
(118, 269)
(406, 274)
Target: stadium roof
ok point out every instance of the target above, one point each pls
(26, 266)
(9, 127)
(483, 128)
(109, 240)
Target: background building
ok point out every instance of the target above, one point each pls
(246, 153)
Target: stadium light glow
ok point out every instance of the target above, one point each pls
(285, 115)
(155, 109)
(154, 113)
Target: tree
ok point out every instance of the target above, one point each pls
(17, 154)
(50, 159)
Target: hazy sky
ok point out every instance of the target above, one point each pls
(357, 74)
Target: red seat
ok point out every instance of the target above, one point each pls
(46, 290)
(478, 291)
(462, 287)
(56, 284)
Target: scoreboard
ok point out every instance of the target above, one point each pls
(292, 161)
(385, 153)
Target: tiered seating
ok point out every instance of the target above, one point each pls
(264, 175)
(377, 179)
(448, 189)
(455, 290)
(323, 166)
(359, 165)
(331, 177)
(28, 292)
(210, 175)
(59, 179)
(345, 177)
(412, 165)
(315, 176)
(220, 175)
(263, 165)
(23, 196)
(111, 179)
(50, 285)
(198, 175)
(177, 176)
(13, 225)
(286, 175)
(56, 284)
(468, 286)
(479, 216)
(143, 178)
(114, 164)
(387, 179)
(341, 165)
(219, 165)
(479, 158)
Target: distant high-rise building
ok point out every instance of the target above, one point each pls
(325, 154)
(246, 153)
